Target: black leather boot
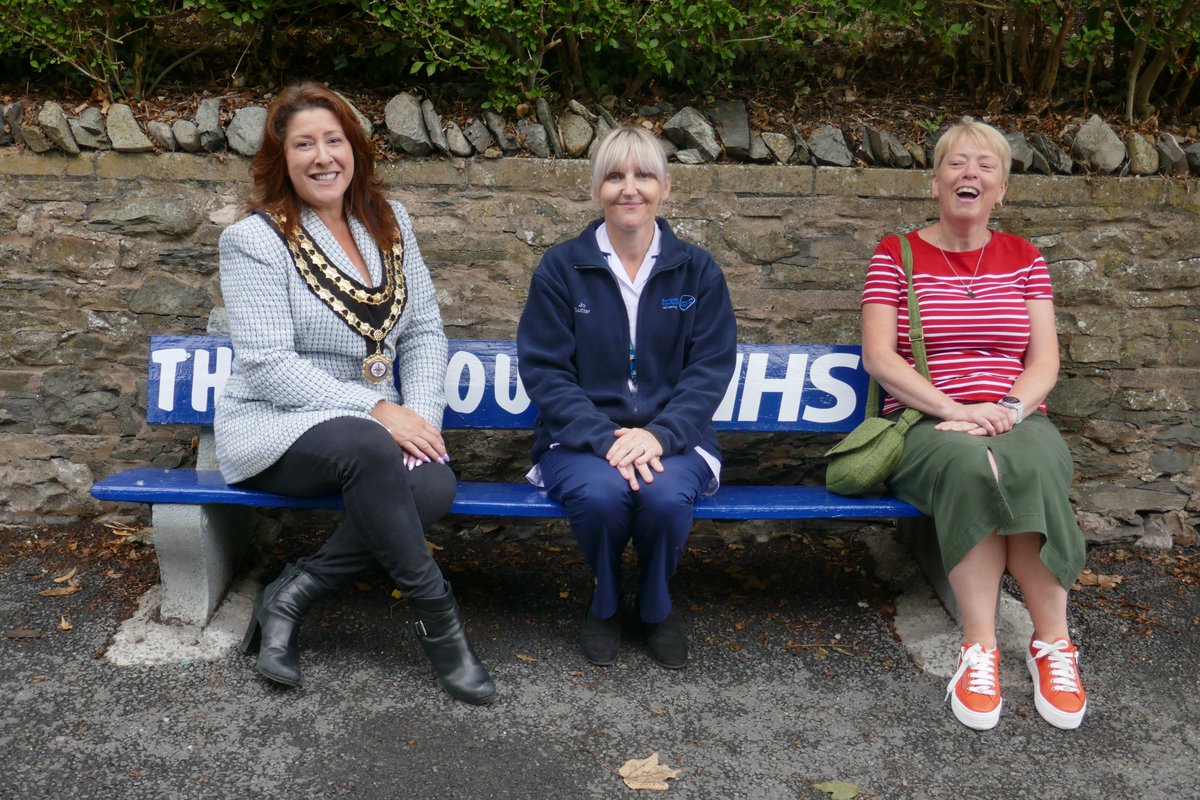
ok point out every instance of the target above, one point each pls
(439, 627)
(275, 622)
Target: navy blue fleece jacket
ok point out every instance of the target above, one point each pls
(573, 348)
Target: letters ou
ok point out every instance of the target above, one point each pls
(509, 392)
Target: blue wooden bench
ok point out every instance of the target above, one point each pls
(200, 530)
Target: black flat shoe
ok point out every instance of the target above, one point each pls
(666, 642)
(600, 639)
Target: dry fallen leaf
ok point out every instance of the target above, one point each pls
(59, 591)
(1089, 578)
(838, 790)
(647, 773)
(63, 625)
(66, 576)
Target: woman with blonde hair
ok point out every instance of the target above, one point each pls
(985, 463)
(626, 346)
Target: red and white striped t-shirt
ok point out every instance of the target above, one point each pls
(975, 346)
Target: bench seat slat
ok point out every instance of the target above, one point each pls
(193, 487)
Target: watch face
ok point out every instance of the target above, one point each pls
(1009, 400)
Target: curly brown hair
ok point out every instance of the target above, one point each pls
(273, 190)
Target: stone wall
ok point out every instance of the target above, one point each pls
(99, 251)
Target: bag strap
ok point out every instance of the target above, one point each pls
(916, 337)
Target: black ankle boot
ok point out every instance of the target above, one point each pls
(275, 622)
(439, 627)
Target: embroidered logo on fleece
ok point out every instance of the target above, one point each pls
(683, 302)
(582, 308)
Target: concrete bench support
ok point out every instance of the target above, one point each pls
(920, 536)
(199, 547)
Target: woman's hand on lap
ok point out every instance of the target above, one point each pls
(421, 441)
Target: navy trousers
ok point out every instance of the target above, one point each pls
(606, 514)
(388, 507)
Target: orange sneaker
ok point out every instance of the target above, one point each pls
(1057, 691)
(974, 691)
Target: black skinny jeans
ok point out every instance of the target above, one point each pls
(388, 507)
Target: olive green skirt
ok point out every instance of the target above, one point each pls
(946, 475)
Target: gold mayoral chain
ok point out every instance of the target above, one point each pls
(370, 312)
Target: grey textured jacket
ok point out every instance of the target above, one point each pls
(297, 363)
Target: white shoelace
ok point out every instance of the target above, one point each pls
(982, 669)
(1064, 675)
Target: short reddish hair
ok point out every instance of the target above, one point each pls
(273, 190)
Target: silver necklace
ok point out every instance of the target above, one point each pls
(954, 272)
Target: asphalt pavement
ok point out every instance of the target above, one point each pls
(815, 660)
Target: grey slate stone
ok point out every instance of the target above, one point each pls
(245, 132)
(802, 155)
(733, 123)
(10, 121)
(1192, 151)
(690, 156)
(583, 111)
(781, 146)
(124, 133)
(1022, 152)
(918, 155)
(457, 141)
(363, 121)
(759, 152)
(533, 136)
(577, 134)
(433, 126)
(602, 130)
(91, 119)
(495, 124)
(889, 150)
(1058, 160)
(1172, 159)
(1143, 156)
(689, 129)
(861, 148)
(86, 138)
(160, 134)
(208, 123)
(1098, 146)
(606, 115)
(546, 117)
(828, 147)
(33, 138)
(406, 125)
(54, 124)
(1040, 164)
(478, 135)
(187, 135)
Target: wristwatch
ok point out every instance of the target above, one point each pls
(1010, 401)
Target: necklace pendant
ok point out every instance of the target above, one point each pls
(970, 294)
(377, 367)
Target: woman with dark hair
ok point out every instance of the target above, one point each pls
(326, 290)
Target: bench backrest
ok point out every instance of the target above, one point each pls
(798, 387)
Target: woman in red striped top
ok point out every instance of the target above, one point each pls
(986, 462)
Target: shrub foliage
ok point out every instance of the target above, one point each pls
(1143, 55)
